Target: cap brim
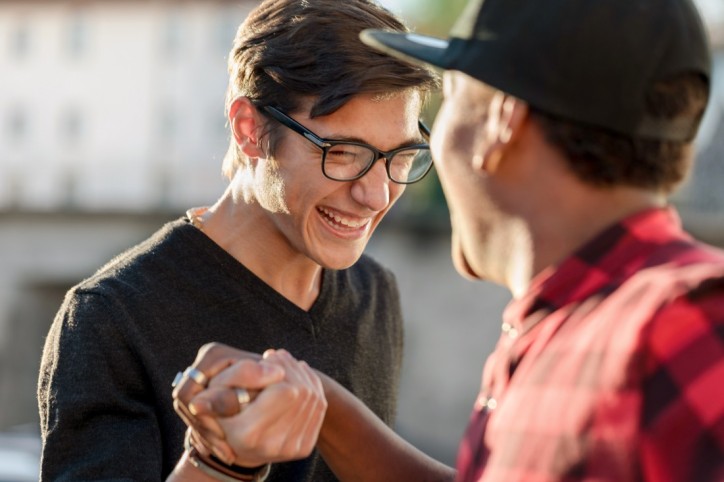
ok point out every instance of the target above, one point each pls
(408, 46)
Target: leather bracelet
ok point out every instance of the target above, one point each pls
(221, 471)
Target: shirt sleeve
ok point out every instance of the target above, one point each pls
(683, 390)
(97, 417)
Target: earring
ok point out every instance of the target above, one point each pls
(506, 134)
(478, 161)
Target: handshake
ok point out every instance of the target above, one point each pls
(244, 411)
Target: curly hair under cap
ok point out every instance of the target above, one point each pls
(605, 159)
(287, 51)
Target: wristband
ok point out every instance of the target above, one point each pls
(221, 471)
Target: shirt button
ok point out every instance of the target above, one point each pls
(485, 402)
(509, 330)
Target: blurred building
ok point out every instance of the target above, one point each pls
(111, 122)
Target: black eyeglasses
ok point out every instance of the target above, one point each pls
(347, 160)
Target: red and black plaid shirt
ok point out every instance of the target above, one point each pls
(611, 368)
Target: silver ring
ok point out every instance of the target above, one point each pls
(177, 379)
(197, 376)
(243, 397)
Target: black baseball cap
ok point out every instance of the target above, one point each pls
(588, 61)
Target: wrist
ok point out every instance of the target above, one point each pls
(219, 470)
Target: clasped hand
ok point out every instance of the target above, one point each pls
(281, 422)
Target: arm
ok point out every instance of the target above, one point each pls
(280, 423)
(354, 442)
(94, 405)
(358, 446)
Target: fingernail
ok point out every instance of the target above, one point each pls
(199, 407)
(223, 455)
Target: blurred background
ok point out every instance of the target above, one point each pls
(111, 123)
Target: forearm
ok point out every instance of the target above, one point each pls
(358, 446)
(186, 472)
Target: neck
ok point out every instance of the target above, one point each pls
(246, 233)
(556, 233)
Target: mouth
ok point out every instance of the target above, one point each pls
(342, 222)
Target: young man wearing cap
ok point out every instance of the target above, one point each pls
(565, 125)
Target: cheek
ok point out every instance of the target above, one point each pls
(271, 188)
(396, 191)
(451, 142)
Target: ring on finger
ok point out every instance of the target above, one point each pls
(243, 397)
(197, 376)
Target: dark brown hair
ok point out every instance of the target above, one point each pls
(290, 50)
(604, 158)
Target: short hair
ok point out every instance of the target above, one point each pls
(290, 50)
(604, 158)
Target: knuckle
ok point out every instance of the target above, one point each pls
(209, 348)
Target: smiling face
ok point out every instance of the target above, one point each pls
(327, 221)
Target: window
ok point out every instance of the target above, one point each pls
(168, 124)
(20, 39)
(172, 35)
(77, 35)
(17, 125)
(71, 128)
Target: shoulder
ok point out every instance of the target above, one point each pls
(150, 261)
(682, 375)
(145, 275)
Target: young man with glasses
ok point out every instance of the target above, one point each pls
(325, 134)
(565, 125)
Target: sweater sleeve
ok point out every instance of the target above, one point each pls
(97, 418)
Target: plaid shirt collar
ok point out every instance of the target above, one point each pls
(613, 255)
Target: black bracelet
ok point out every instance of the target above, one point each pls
(214, 467)
(237, 469)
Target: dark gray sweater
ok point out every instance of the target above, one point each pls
(120, 337)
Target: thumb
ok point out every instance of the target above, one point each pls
(216, 402)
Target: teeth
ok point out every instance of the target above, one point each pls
(343, 221)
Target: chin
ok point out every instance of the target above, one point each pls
(462, 266)
(340, 262)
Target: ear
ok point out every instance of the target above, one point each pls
(506, 116)
(246, 125)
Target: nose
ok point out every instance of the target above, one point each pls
(373, 189)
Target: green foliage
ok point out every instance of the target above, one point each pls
(423, 206)
(432, 17)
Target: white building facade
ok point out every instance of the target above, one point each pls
(113, 105)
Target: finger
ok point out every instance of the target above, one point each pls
(211, 359)
(192, 419)
(206, 447)
(218, 401)
(307, 423)
(295, 429)
(292, 368)
(249, 374)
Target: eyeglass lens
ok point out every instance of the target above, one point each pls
(348, 161)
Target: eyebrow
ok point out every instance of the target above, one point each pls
(340, 138)
(407, 143)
